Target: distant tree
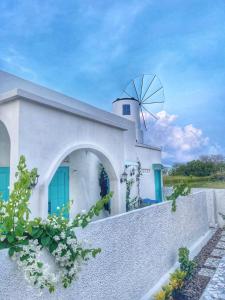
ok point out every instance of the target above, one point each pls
(204, 166)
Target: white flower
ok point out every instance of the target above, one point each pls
(63, 235)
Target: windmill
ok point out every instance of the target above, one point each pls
(149, 92)
(141, 100)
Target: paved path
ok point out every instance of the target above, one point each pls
(214, 268)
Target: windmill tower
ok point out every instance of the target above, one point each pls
(129, 108)
(142, 98)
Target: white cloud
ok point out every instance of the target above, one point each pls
(178, 143)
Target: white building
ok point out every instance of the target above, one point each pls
(67, 140)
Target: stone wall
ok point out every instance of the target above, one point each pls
(138, 249)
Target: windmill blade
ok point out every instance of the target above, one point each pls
(154, 116)
(127, 94)
(142, 81)
(135, 89)
(143, 118)
(148, 87)
(154, 102)
(153, 94)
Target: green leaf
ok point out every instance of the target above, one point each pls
(95, 252)
(40, 265)
(51, 289)
(19, 230)
(23, 242)
(4, 245)
(45, 241)
(37, 232)
(53, 246)
(11, 251)
(10, 238)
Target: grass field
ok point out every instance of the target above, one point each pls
(194, 182)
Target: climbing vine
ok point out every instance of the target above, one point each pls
(133, 176)
(104, 185)
(26, 239)
(180, 189)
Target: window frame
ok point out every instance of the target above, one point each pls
(126, 111)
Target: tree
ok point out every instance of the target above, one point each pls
(204, 166)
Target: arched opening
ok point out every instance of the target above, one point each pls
(4, 162)
(83, 176)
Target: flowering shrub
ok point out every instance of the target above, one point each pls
(26, 239)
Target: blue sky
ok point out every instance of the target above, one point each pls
(91, 49)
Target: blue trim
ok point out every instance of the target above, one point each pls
(158, 185)
(58, 191)
(4, 183)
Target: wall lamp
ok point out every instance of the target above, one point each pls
(123, 177)
(33, 184)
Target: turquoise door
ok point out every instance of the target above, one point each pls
(4, 183)
(58, 191)
(158, 185)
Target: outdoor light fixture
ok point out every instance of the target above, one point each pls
(132, 172)
(123, 177)
(32, 185)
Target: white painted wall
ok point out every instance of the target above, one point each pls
(55, 135)
(215, 199)
(216, 205)
(139, 248)
(148, 157)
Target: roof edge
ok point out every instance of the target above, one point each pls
(25, 95)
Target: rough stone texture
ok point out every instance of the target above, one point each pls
(218, 252)
(212, 262)
(215, 204)
(206, 272)
(216, 287)
(138, 248)
(220, 245)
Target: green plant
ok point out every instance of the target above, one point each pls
(104, 184)
(180, 189)
(129, 184)
(175, 283)
(177, 279)
(165, 293)
(186, 264)
(161, 295)
(134, 177)
(26, 238)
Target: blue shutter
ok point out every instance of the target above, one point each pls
(58, 192)
(158, 185)
(4, 183)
